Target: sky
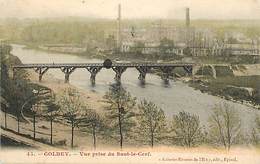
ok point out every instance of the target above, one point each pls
(172, 9)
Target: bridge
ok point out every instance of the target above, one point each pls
(118, 68)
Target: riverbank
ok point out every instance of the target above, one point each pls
(95, 54)
(243, 89)
(99, 54)
(91, 98)
(229, 91)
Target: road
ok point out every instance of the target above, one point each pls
(26, 141)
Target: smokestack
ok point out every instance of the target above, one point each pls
(187, 17)
(119, 29)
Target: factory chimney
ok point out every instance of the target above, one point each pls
(187, 17)
(119, 39)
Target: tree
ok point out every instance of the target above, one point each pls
(166, 45)
(71, 109)
(111, 42)
(15, 97)
(186, 129)
(120, 110)
(137, 48)
(255, 134)
(14, 92)
(187, 51)
(9, 89)
(4, 107)
(152, 123)
(257, 121)
(224, 125)
(51, 113)
(93, 122)
(39, 98)
(232, 40)
(4, 80)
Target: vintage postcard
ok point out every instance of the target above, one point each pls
(130, 81)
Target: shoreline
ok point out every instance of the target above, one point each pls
(242, 102)
(94, 100)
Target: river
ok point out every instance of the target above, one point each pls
(178, 96)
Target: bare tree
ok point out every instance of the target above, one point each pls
(257, 120)
(151, 122)
(39, 99)
(224, 125)
(51, 114)
(255, 134)
(71, 109)
(120, 110)
(186, 129)
(93, 123)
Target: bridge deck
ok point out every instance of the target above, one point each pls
(83, 65)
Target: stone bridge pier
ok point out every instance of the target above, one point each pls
(143, 70)
(188, 69)
(119, 70)
(214, 72)
(195, 69)
(93, 72)
(67, 71)
(14, 72)
(41, 71)
(166, 72)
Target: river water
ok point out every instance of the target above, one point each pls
(172, 99)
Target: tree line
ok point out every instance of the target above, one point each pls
(129, 122)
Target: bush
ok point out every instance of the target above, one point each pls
(205, 70)
(61, 143)
(224, 71)
(238, 92)
(186, 129)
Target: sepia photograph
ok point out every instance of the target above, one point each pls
(130, 81)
